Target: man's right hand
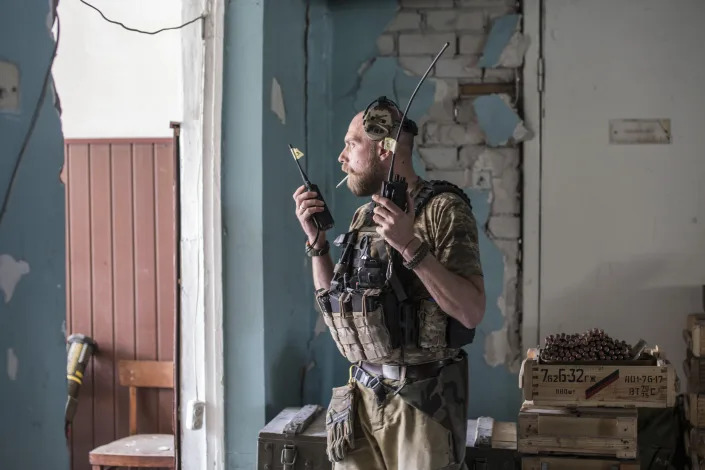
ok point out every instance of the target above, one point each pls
(306, 206)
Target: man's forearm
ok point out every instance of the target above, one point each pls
(322, 267)
(461, 298)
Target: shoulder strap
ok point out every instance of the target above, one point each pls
(433, 188)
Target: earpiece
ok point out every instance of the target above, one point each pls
(378, 119)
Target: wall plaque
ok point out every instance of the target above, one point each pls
(640, 131)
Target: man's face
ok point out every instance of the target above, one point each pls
(361, 160)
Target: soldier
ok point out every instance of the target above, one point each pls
(405, 406)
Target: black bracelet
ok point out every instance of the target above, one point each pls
(420, 254)
(311, 251)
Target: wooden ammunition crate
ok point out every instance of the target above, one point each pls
(608, 384)
(610, 432)
(491, 445)
(694, 334)
(695, 410)
(576, 463)
(695, 442)
(694, 368)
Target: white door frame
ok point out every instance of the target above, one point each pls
(201, 280)
(531, 210)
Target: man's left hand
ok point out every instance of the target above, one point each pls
(395, 225)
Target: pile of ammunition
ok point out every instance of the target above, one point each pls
(593, 345)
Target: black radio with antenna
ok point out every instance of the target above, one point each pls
(378, 123)
(322, 220)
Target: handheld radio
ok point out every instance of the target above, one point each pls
(379, 122)
(323, 220)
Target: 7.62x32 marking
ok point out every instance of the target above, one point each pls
(566, 375)
(577, 375)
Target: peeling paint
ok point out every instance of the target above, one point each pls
(12, 364)
(277, 101)
(445, 90)
(51, 14)
(11, 271)
(513, 54)
(63, 174)
(503, 29)
(364, 66)
(498, 120)
(320, 327)
(520, 133)
(496, 347)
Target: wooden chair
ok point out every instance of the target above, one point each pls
(139, 450)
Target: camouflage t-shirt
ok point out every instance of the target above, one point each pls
(447, 224)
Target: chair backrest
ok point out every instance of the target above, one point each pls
(144, 374)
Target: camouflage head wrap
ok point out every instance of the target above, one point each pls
(382, 117)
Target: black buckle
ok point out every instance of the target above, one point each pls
(372, 382)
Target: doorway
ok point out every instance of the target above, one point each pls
(121, 279)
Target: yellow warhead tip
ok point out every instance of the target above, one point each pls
(296, 153)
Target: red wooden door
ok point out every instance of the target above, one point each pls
(121, 278)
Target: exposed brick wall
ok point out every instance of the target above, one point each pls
(451, 143)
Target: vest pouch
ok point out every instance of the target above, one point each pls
(344, 326)
(433, 325)
(368, 315)
(323, 303)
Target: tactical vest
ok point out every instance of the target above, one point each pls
(366, 308)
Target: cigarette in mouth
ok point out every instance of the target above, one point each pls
(342, 181)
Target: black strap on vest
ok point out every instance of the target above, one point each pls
(434, 188)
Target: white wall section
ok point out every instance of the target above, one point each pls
(117, 83)
(622, 226)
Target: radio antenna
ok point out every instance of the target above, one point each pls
(296, 153)
(408, 105)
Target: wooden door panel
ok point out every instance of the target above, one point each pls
(121, 278)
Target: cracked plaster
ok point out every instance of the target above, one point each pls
(481, 167)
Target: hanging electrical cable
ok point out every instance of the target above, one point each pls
(32, 122)
(139, 30)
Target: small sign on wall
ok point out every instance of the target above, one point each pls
(640, 131)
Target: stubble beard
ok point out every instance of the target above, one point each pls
(369, 181)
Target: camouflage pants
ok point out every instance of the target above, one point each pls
(421, 428)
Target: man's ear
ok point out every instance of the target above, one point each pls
(383, 153)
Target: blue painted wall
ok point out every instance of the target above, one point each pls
(275, 355)
(494, 391)
(32, 231)
(242, 176)
(267, 312)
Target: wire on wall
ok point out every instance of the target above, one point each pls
(32, 122)
(139, 30)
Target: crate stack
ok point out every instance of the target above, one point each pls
(694, 369)
(582, 414)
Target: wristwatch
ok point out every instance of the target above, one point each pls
(311, 251)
